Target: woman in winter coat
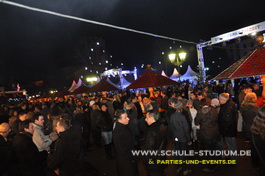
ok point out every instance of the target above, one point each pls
(249, 110)
(106, 125)
(207, 118)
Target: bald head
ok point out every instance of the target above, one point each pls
(4, 129)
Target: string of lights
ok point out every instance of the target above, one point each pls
(93, 22)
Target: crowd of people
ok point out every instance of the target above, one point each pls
(50, 137)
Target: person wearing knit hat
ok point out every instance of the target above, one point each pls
(180, 132)
(178, 106)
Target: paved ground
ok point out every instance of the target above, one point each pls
(98, 165)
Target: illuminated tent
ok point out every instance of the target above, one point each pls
(164, 74)
(175, 76)
(72, 86)
(123, 83)
(190, 75)
(79, 83)
(151, 79)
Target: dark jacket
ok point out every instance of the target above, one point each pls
(197, 104)
(105, 122)
(8, 160)
(156, 139)
(133, 123)
(164, 103)
(168, 114)
(227, 119)
(179, 127)
(258, 146)
(248, 112)
(68, 155)
(139, 110)
(95, 116)
(29, 158)
(123, 143)
(14, 125)
(4, 155)
(207, 118)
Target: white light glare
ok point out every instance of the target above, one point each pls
(85, 68)
(97, 43)
(182, 55)
(107, 61)
(92, 49)
(254, 33)
(91, 79)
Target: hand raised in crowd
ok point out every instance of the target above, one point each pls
(53, 136)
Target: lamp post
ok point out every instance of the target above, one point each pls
(177, 59)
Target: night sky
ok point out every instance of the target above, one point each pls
(36, 46)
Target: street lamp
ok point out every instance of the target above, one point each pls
(177, 60)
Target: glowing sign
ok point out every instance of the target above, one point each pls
(239, 33)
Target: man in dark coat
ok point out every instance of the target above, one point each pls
(67, 159)
(15, 124)
(156, 140)
(8, 161)
(4, 149)
(180, 132)
(28, 155)
(227, 120)
(124, 144)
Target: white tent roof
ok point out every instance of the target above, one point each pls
(79, 83)
(175, 74)
(164, 74)
(190, 74)
(125, 83)
(71, 89)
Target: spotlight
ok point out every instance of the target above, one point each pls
(253, 35)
